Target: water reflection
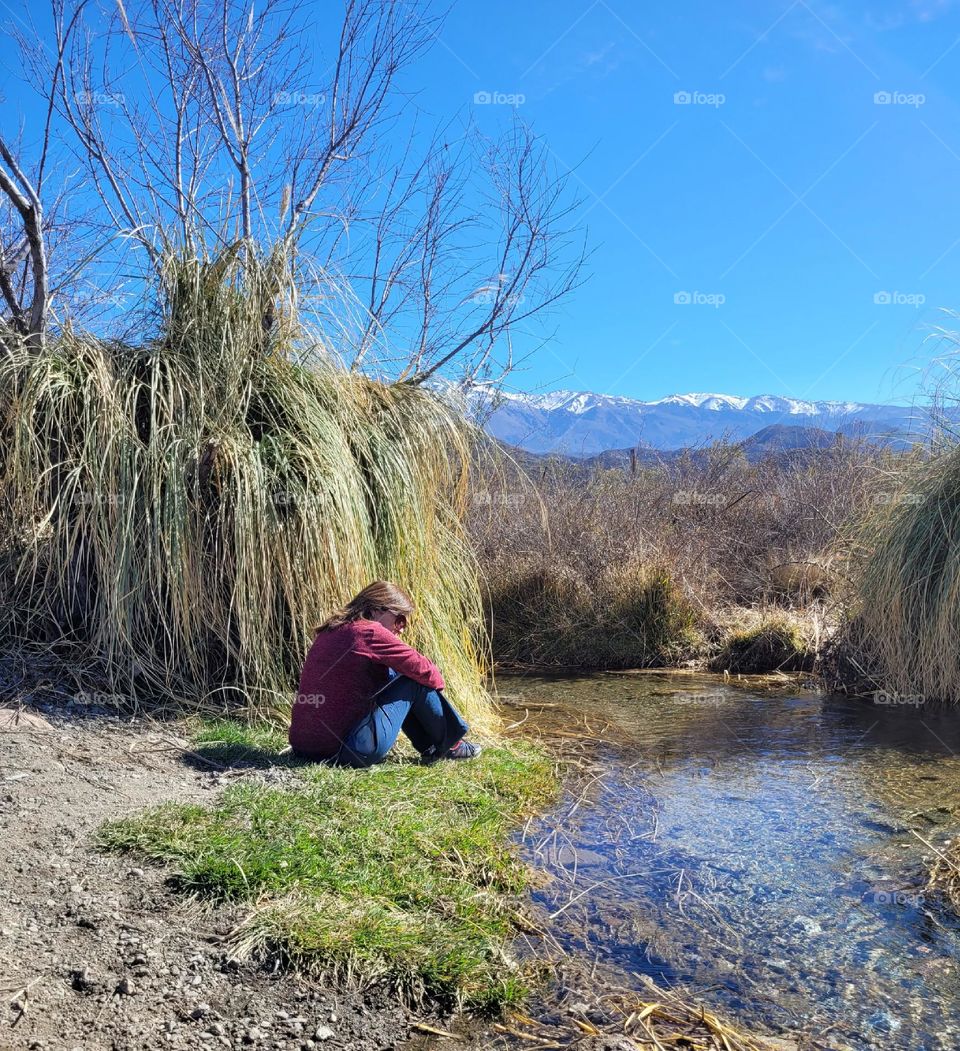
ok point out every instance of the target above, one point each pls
(760, 848)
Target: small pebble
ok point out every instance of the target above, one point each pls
(125, 987)
(324, 1032)
(200, 1010)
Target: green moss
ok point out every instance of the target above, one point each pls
(403, 872)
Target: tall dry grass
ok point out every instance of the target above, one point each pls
(177, 515)
(904, 630)
(617, 567)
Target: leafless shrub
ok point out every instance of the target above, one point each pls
(727, 532)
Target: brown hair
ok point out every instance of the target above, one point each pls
(376, 597)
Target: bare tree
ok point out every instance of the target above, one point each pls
(198, 124)
(27, 305)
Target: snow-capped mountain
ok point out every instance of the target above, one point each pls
(579, 423)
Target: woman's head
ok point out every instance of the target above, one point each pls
(381, 601)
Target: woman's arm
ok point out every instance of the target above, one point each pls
(382, 646)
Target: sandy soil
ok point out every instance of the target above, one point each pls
(96, 953)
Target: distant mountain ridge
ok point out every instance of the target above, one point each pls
(583, 424)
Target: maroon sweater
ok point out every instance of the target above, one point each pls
(344, 668)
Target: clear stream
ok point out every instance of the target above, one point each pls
(756, 846)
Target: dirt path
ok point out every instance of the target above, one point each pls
(96, 953)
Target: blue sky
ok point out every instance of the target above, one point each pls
(796, 204)
(771, 189)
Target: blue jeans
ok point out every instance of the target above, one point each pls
(427, 718)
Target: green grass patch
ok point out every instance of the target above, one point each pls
(229, 741)
(402, 873)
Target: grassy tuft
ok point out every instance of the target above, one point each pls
(906, 620)
(774, 643)
(633, 616)
(403, 873)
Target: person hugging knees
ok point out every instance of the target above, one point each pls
(361, 685)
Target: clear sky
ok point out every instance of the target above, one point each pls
(771, 189)
(788, 194)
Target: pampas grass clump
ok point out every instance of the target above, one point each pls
(906, 621)
(178, 515)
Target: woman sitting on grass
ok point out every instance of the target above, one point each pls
(361, 685)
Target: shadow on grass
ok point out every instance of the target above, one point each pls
(225, 743)
(228, 756)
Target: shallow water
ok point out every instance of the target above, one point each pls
(755, 846)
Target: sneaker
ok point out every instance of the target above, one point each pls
(463, 749)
